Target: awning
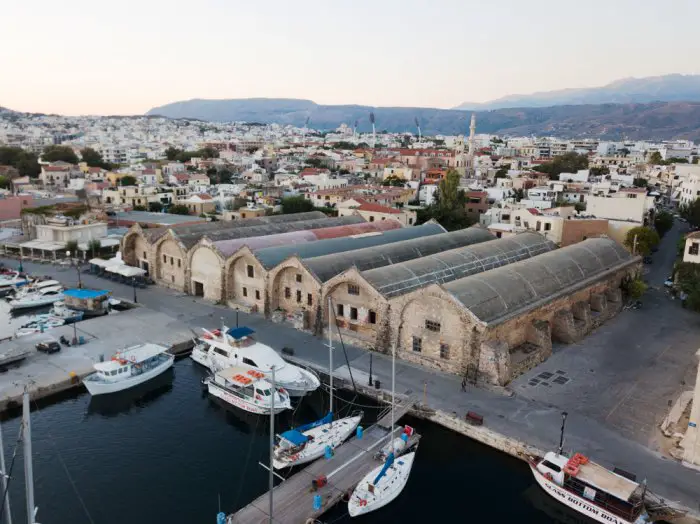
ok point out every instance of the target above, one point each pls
(104, 242)
(294, 437)
(240, 332)
(43, 245)
(85, 293)
(129, 271)
(116, 268)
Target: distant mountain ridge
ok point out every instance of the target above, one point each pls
(655, 120)
(665, 88)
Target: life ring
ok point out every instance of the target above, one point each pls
(363, 502)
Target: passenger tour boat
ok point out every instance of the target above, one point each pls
(248, 390)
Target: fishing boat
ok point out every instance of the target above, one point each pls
(385, 482)
(310, 441)
(224, 348)
(247, 389)
(63, 312)
(589, 488)
(41, 297)
(129, 368)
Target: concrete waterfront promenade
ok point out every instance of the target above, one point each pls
(518, 416)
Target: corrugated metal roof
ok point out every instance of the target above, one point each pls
(154, 234)
(328, 266)
(270, 257)
(229, 247)
(447, 266)
(270, 229)
(508, 290)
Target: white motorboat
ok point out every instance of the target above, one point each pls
(41, 297)
(35, 286)
(39, 326)
(12, 280)
(224, 348)
(381, 485)
(310, 441)
(129, 368)
(247, 389)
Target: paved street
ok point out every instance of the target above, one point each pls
(624, 355)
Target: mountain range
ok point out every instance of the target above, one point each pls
(666, 88)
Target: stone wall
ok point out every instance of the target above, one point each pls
(206, 267)
(170, 263)
(294, 290)
(246, 282)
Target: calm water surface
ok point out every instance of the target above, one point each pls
(169, 453)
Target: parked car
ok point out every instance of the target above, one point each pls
(668, 282)
(48, 346)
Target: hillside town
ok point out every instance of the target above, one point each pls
(475, 256)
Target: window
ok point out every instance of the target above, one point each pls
(245, 291)
(431, 325)
(249, 362)
(309, 300)
(353, 313)
(444, 351)
(371, 219)
(298, 296)
(410, 221)
(547, 227)
(553, 467)
(372, 317)
(538, 226)
(172, 278)
(298, 277)
(144, 254)
(172, 261)
(341, 310)
(165, 259)
(250, 271)
(694, 248)
(257, 294)
(221, 352)
(179, 263)
(287, 292)
(353, 289)
(417, 344)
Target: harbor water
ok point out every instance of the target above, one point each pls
(166, 452)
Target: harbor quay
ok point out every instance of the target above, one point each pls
(512, 422)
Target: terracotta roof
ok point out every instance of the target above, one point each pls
(204, 196)
(56, 168)
(694, 234)
(366, 206)
(534, 211)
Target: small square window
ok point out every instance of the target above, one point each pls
(165, 259)
(250, 271)
(172, 261)
(694, 248)
(431, 325)
(298, 296)
(245, 291)
(179, 263)
(547, 227)
(353, 313)
(299, 277)
(353, 289)
(417, 344)
(309, 300)
(287, 292)
(372, 317)
(257, 294)
(444, 351)
(172, 278)
(144, 254)
(341, 310)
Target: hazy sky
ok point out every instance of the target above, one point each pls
(99, 57)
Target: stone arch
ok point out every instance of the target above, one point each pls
(292, 288)
(241, 289)
(170, 262)
(136, 250)
(205, 275)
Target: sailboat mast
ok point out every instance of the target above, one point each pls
(272, 439)
(8, 515)
(330, 353)
(393, 391)
(28, 471)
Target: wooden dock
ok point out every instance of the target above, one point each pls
(293, 498)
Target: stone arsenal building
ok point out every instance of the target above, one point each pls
(463, 301)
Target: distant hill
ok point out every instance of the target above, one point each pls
(656, 120)
(667, 88)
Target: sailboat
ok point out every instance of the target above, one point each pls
(310, 441)
(385, 482)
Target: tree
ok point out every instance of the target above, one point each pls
(127, 180)
(663, 222)
(640, 182)
(624, 151)
(343, 145)
(59, 154)
(296, 204)
(656, 159)
(641, 240)
(208, 152)
(93, 158)
(691, 212)
(94, 246)
(72, 246)
(676, 160)
(580, 206)
(502, 172)
(394, 181)
(566, 163)
(172, 153)
(23, 161)
(178, 209)
(635, 288)
(155, 207)
(4, 182)
(448, 209)
(139, 208)
(599, 171)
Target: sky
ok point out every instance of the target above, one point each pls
(96, 57)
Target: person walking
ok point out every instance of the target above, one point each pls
(464, 384)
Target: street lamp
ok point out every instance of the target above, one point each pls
(133, 284)
(20, 268)
(77, 267)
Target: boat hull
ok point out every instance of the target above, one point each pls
(250, 407)
(579, 504)
(14, 305)
(102, 388)
(363, 502)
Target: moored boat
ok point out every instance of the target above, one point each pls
(38, 298)
(247, 389)
(129, 368)
(224, 348)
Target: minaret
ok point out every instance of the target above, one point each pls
(470, 155)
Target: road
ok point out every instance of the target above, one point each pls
(623, 354)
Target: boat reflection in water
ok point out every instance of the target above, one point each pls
(556, 511)
(137, 397)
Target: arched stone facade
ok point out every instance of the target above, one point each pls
(244, 281)
(294, 291)
(136, 250)
(170, 262)
(205, 271)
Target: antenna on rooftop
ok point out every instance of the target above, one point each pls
(306, 126)
(374, 130)
(354, 131)
(418, 126)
